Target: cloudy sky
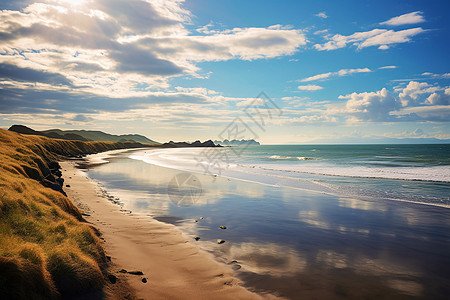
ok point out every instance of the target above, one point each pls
(340, 71)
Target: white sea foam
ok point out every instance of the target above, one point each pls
(194, 160)
(290, 157)
(434, 173)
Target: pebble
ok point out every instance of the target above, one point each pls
(220, 241)
(196, 238)
(223, 227)
(135, 272)
(144, 280)
(112, 278)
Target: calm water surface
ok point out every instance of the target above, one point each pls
(291, 242)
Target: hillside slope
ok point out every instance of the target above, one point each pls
(46, 251)
(102, 136)
(27, 130)
(83, 135)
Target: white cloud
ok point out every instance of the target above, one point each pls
(411, 18)
(372, 106)
(437, 76)
(388, 67)
(411, 95)
(416, 132)
(342, 72)
(322, 15)
(435, 113)
(418, 101)
(111, 47)
(238, 43)
(376, 37)
(321, 32)
(439, 98)
(309, 87)
(322, 118)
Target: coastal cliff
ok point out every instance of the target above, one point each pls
(47, 251)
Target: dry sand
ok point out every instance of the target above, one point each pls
(173, 266)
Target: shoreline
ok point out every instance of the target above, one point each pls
(172, 266)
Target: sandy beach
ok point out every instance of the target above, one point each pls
(173, 267)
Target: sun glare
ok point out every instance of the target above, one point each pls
(73, 2)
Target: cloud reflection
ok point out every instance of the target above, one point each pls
(361, 204)
(264, 258)
(312, 218)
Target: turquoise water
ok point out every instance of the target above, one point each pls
(299, 234)
(418, 173)
(412, 156)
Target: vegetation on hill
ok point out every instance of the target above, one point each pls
(83, 135)
(46, 251)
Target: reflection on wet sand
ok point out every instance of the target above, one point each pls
(312, 218)
(295, 243)
(265, 259)
(361, 204)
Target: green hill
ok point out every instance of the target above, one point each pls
(102, 136)
(83, 135)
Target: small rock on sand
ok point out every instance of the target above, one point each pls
(144, 280)
(223, 227)
(196, 238)
(123, 271)
(135, 272)
(67, 185)
(112, 278)
(220, 241)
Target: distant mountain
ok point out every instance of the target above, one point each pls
(83, 135)
(63, 136)
(102, 136)
(237, 142)
(197, 143)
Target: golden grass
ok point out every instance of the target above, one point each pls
(45, 250)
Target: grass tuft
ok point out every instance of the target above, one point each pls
(74, 272)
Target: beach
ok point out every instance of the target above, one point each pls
(185, 149)
(171, 265)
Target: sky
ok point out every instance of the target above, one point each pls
(331, 71)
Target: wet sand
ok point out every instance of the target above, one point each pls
(173, 267)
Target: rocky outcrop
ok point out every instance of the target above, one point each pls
(197, 143)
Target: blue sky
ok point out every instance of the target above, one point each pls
(341, 71)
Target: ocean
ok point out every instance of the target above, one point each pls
(309, 221)
(418, 173)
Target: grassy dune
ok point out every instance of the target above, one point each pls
(46, 251)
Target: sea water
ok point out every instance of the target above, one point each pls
(418, 173)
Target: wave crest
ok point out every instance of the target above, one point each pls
(290, 157)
